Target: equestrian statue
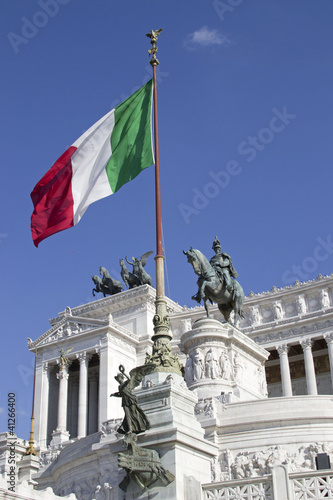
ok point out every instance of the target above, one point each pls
(217, 282)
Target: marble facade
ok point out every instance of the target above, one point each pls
(251, 399)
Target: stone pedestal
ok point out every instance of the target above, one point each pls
(177, 436)
(223, 362)
(59, 437)
(28, 465)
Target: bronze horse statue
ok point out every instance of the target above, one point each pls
(130, 279)
(108, 283)
(212, 288)
(100, 288)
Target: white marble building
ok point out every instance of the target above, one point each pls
(254, 411)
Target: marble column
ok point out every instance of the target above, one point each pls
(329, 340)
(83, 395)
(45, 404)
(310, 373)
(285, 371)
(38, 410)
(61, 434)
(108, 368)
(93, 403)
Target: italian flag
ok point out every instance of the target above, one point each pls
(112, 152)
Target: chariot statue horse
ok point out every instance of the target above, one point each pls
(109, 285)
(100, 288)
(215, 283)
(130, 279)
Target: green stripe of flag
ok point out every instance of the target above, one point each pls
(131, 138)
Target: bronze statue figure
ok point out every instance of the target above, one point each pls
(130, 279)
(223, 265)
(135, 419)
(64, 361)
(143, 465)
(216, 282)
(138, 265)
(100, 288)
(162, 355)
(108, 283)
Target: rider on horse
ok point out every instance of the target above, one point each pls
(222, 264)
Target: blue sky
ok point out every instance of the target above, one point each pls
(245, 121)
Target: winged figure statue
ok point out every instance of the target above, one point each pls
(135, 419)
(138, 268)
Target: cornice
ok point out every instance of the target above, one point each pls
(296, 331)
(273, 294)
(287, 300)
(119, 302)
(296, 288)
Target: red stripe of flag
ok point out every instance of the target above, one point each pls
(53, 200)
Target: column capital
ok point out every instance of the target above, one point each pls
(282, 349)
(46, 366)
(83, 357)
(306, 343)
(62, 374)
(329, 338)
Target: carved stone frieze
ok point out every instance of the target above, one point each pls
(83, 489)
(210, 364)
(291, 333)
(260, 463)
(125, 345)
(110, 427)
(47, 457)
(65, 328)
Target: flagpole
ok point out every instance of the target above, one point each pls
(159, 246)
(162, 335)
